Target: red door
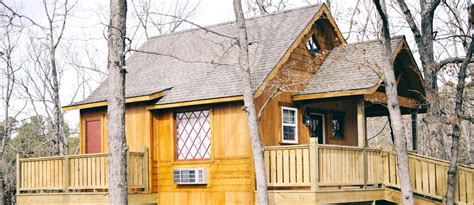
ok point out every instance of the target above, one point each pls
(93, 136)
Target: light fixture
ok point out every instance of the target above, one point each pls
(307, 119)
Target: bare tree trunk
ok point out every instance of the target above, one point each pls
(118, 185)
(452, 170)
(8, 120)
(434, 124)
(393, 106)
(471, 151)
(59, 145)
(59, 138)
(249, 106)
(5, 138)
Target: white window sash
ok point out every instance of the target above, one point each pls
(294, 125)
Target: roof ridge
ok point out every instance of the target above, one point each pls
(374, 40)
(230, 22)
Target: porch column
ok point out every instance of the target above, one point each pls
(414, 133)
(361, 124)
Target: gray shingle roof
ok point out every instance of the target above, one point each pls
(197, 64)
(351, 67)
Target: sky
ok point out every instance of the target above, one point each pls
(85, 31)
(84, 37)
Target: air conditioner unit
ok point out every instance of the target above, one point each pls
(190, 176)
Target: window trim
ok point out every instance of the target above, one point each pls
(175, 137)
(342, 117)
(83, 126)
(309, 47)
(295, 141)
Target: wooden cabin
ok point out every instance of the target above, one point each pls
(188, 136)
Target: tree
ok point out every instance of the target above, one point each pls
(393, 106)
(42, 76)
(425, 37)
(118, 185)
(456, 134)
(60, 141)
(8, 47)
(157, 20)
(54, 38)
(249, 105)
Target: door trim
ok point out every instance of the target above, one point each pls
(324, 124)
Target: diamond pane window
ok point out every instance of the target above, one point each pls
(193, 135)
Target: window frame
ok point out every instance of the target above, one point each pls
(283, 124)
(175, 135)
(309, 47)
(338, 116)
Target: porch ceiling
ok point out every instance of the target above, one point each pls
(379, 110)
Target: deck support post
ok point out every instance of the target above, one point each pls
(414, 133)
(313, 151)
(66, 173)
(361, 124)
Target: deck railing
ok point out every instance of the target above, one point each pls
(77, 173)
(349, 166)
(319, 167)
(287, 166)
(429, 177)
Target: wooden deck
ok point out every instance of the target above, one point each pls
(82, 198)
(292, 173)
(303, 174)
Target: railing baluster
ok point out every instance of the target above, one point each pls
(313, 164)
(66, 173)
(366, 166)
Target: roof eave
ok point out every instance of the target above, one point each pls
(196, 102)
(343, 93)
(103, 103)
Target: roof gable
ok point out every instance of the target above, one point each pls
(354, 70)
(192, 62)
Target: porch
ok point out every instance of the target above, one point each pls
(315, 173)
(78, 179)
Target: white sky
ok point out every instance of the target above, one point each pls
(86, 30)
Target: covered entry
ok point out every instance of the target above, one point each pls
(332, 120)
(348, 87)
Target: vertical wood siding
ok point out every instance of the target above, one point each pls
(230, 169)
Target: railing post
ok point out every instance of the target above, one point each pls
(145, 169)
(313, 152)
(361, 124)
(366, 166)
(128, 171)
(18, 174)
(66, 173)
